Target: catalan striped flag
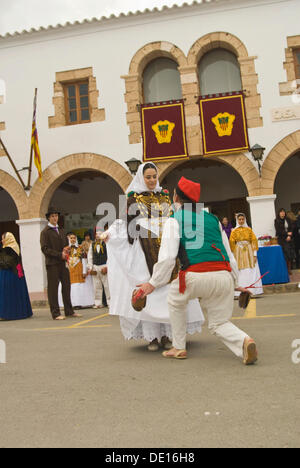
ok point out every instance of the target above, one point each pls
(35, 142)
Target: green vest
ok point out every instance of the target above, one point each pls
(199, 232)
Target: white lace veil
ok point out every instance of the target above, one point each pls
(138, 184)
(237, 223)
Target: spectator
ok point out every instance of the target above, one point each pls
(244, 246)
(97, 266)
(284, 234)
(293, 218)
(227, 226)
(53, 245)
(14, 298)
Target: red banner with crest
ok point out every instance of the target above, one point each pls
(224, 124)
(164, 131)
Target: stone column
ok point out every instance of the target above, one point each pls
(263, 214)
(33, 258)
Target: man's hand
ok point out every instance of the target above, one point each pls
(147, 288)
(240, 289)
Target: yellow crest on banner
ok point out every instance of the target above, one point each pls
(163, 131)
(224, 123)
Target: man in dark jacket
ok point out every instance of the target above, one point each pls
(53, 244)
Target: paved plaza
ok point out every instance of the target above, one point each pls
(79, 384)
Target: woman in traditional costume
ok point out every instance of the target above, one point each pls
(14, 297)
(133, 249)
(82, 292)
(244, 246)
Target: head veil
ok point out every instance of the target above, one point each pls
(245, 225)
(138, 184)
(10, 241)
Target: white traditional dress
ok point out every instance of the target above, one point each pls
(244, 246)
(129, 264)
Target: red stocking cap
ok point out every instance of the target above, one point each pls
(190, 189)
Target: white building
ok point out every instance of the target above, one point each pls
(111, 66)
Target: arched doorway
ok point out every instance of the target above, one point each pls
(78, 197)
(8, 214)
(223, 190)
(287, 184)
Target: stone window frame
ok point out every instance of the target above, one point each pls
(288, 87)
(297, 64)
(72, 76)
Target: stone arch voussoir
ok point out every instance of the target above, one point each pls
(281, 152)
(59, 171)
(240, 163)
(16, 191)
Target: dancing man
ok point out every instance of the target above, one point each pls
(208, 272)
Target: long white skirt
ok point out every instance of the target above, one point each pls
(127, 268)
(82, 294)
(247, 277)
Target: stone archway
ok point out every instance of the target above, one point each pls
(54, 175)
(240, 163)
(16, 191)
(286, 148)
(249, 76)
(134, 82)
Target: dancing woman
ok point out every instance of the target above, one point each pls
(133, 249)
(14, 297)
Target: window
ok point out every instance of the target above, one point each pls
(219, 72)
(77, 102)
(161, 81)
(297, 62)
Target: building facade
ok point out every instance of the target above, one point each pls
(93, 76)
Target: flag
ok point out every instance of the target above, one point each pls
(35, 142)
(224, 124)
(164, 133)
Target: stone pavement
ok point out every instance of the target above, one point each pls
(79, 384)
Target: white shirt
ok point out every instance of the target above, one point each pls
(168, 254)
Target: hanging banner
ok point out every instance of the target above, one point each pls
(224, 124)
(164, 133)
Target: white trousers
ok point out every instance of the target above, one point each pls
(216, 293)
(100, 281)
